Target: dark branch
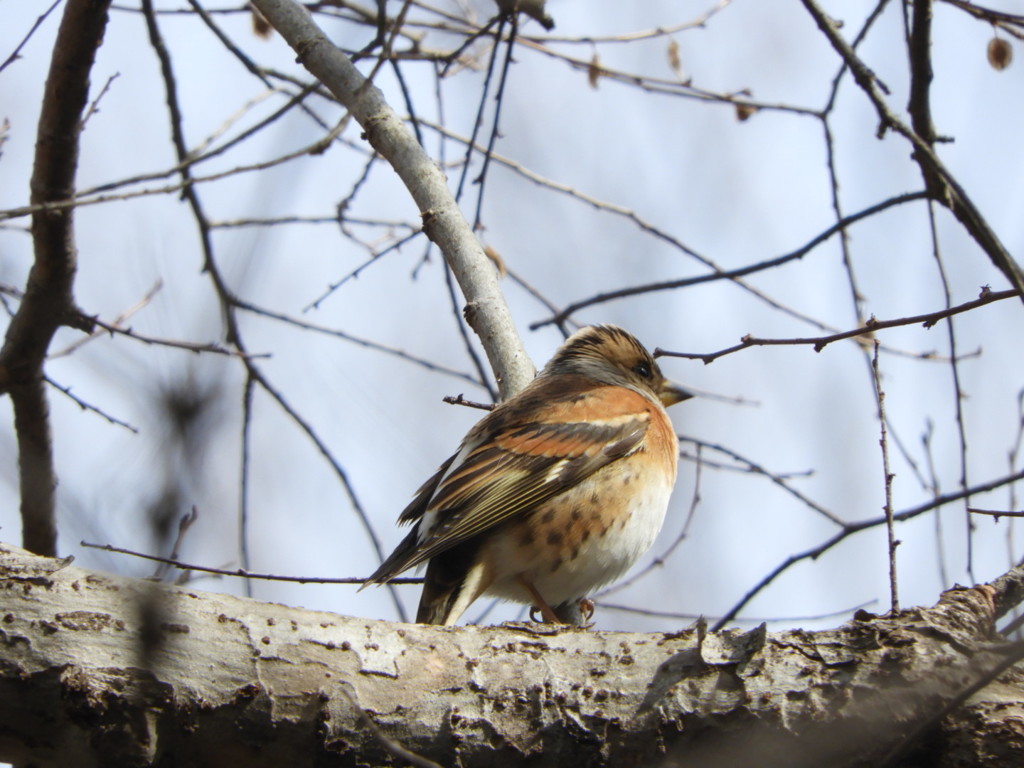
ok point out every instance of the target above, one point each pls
(48, 302)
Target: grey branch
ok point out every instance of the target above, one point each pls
(443, 222)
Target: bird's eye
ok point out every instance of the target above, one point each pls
(643, 369)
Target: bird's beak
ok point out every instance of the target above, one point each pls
(671, 393)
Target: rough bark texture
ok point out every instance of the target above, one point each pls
(105, 670)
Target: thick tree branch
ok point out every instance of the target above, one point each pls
(443, 222)
(222, 680)
(48, 302)
(920, 48)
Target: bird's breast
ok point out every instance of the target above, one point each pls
(587, 536)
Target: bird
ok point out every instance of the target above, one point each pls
(556, 492)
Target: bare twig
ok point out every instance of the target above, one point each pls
(852, 528)
(872, 325)
(746, 619)
(89, 407)
(117, 322)
(241, 572)
(460, 400)
(184, 524)
(942, 185)
(245, 464)
(499, 100)
(890, 529)
(732, 274)
(16, 53)
(366, 343)
(996, 513)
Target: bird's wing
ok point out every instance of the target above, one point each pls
(509, 465)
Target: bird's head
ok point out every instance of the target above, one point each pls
(613, 356)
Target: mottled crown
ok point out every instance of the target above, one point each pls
(608, 354)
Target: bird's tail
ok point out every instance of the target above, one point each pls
(398, 561)
(448, 590)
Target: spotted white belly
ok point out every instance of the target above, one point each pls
(581, 540)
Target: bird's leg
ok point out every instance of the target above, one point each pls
(539, 602)
(586, 608)
(576, 613)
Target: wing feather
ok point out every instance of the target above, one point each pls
(513, 460)
(496, 483)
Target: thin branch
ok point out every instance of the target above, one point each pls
(958, 393)
(657, 614)
(872, 325)
(753, 467)
(942, 185)
(366, 343)
(499, 100)
(733, 274)
(471, 144)
(851, 528)
(460, 400)
(189, 346)
(89, 407)
(243, 479)
(996, 513)
(241, 572)
(117, 322)
(16, 53)
(890, 529)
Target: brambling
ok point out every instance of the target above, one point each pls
(556, 492)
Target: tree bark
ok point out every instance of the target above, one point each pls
(106, 670)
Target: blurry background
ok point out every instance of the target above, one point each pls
(638, 143)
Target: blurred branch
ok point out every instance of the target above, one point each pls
(667, 87)
(85, 406)
(920, 52)
(1012, 654)
(996, 513)
(48, 301)
(1011, 22)
(16, 53)
(365, 343)
(226, 296)
(660, 614)
(486, 309)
